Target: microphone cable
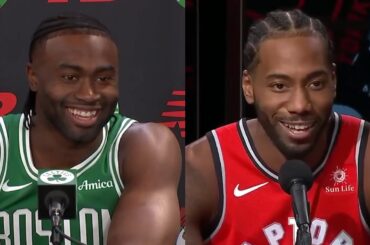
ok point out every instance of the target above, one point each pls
(56, 212)
(68, 237)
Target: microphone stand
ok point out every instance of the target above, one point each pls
(56, 211)
(302, 216)
(303, 235)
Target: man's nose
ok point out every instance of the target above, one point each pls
(87, 90)
(299, 101)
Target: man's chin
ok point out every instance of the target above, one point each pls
(81, 137)
(296, 151)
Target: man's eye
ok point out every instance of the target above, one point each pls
(105, 78)
(278, 86)
(70, 77)
(316, 85)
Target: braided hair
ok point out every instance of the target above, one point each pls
(68, 23)
(283, 23)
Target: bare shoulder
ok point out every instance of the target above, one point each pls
(199, 159)
(150, 163)
(201, 189)
(154, 134)
(149, 145)
(197, 149)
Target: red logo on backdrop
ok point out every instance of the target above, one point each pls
(8, 102)
(175, 116)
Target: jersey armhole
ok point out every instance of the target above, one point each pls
(210, 231)
(4, 151)
(113, 155)
(365, 216)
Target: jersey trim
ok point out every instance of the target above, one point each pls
(113, 155)
(220, 171)
(93, 158)
(219, 175)
(360, 155)
(251, 150)
(25, 152)
(4, 150)
(335, 133)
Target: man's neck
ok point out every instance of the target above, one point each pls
(50, 150)
(274, 158)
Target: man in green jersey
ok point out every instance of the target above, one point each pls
(127, 172)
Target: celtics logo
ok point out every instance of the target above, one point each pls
(57, 177)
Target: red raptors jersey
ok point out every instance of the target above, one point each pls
(255, 210)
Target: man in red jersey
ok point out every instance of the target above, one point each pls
(232, 191)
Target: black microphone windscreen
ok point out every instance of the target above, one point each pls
(295, 171)
(57, 185)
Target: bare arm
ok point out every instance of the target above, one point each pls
(201, 190)
(148, 210)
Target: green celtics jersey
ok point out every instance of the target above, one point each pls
(98, 187)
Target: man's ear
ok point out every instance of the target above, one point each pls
(247, 87)
(32, 78)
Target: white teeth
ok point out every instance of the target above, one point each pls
(297, 127)
(82, 113)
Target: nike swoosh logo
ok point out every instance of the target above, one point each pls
(239, 193)
(7, 188)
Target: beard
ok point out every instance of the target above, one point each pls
(289, 148)
(78, 135)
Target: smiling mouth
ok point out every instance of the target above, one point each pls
(83, 114)
(299, 127)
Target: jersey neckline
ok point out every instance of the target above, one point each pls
(26, 155)
(250, 149)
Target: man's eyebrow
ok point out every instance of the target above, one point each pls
(316, 74)
(79, 68)
(308, 77)
(277, 76)
(105, 68)
(70, 66)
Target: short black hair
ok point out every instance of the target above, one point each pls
(65, 23)
(280, 22)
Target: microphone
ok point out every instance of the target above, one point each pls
(56, 198)
(295, 178)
